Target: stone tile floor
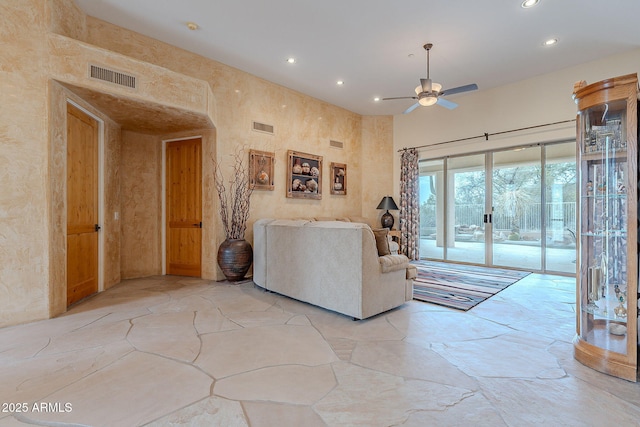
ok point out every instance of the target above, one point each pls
(175, 351)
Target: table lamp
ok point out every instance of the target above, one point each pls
(388, 204)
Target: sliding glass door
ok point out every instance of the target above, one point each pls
(432, 218)
(466, 206)
(510, 208)
(560, 201)
(517, 212)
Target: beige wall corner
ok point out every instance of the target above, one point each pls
(377, 165)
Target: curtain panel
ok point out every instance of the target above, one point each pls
(409, 204)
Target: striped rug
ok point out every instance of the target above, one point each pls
(460, 286)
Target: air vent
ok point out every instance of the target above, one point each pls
(262, 127)
(112, 76)
(336, 144)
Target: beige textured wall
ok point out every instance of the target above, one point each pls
(141, 201)
(377, 157)
(66, 18)
(112, 227)
(48, 44)
(24, 214)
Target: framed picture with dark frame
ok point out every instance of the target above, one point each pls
(338, 178)
(304, 175)
(261, 170)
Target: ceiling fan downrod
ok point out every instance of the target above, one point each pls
(428, 47)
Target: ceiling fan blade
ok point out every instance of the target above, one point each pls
(460, 89)
(401, 97)
(446, 103)
(410, 109)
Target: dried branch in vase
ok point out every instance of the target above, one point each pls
(234, 201)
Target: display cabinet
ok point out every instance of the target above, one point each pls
(607, 271)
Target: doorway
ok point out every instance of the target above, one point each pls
(510, 208)
(82, 205)
(184, 207)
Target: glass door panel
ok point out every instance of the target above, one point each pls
(466, 182)
(517, 208)
(560, 195)
(432, 219)
(604, 226)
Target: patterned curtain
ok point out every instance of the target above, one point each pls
(409, 207)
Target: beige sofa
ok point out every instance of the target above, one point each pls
(331, 264)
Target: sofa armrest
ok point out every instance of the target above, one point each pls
(393, 263)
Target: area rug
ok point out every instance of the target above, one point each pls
(460, 286)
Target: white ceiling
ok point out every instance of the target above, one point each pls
(375, 46)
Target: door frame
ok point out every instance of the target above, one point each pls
(163, 203)
(101, 207)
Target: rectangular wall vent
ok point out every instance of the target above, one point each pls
(262, 127)
(112, 76)
(336, 144)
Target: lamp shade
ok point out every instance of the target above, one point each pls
(387, 203)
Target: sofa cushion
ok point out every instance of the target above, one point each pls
(290, 222)
(393, 263)
(382, 241)
(326, 218)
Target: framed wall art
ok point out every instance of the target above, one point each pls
(304, 175)
(261, 170)
(338, 178)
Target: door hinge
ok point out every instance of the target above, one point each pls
(96, 227)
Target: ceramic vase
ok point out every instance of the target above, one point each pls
(234, 258)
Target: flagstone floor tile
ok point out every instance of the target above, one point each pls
(295, 384)
(178, 351)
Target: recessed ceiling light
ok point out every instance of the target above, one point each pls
(291, 60)
(529, 3)
(550, 42)
(192, 26)
(340, 82)
(376, 99)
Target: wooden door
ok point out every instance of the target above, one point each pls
(82, 205)
(184, 207)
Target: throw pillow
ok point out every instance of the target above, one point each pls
(382, 241)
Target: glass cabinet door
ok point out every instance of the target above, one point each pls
(603, 233)
(607, 273)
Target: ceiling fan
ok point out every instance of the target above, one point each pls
(429, 93)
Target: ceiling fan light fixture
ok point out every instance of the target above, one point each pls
(428, 100)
